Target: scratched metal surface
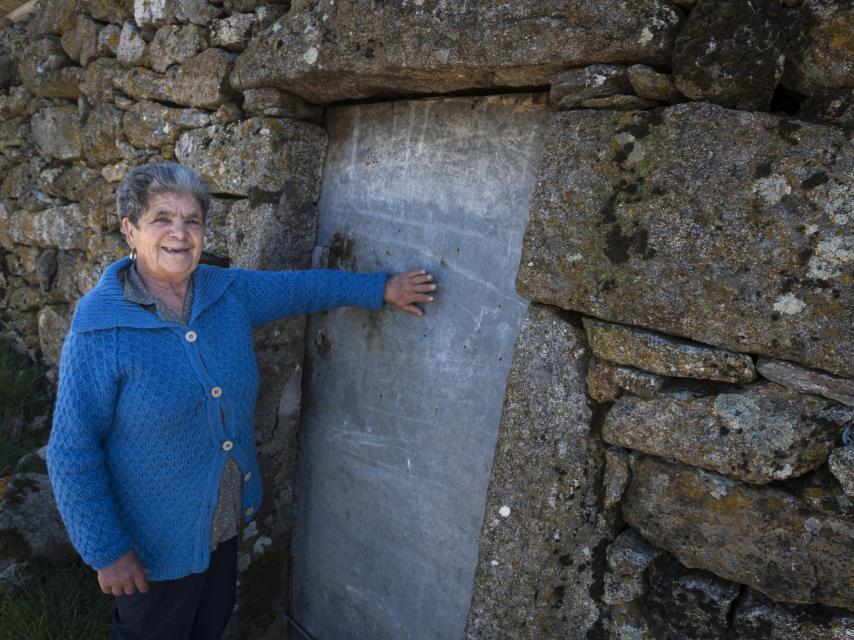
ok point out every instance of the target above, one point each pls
(400, 414)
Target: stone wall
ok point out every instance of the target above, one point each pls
(668, 462)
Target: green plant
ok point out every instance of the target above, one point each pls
(23, 388)
(63, 603)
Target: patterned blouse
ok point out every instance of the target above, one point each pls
(227, 513)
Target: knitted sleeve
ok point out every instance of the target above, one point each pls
(269, 295)
(86, 397)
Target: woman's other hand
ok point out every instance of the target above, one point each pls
(403, 290)
(124, 577)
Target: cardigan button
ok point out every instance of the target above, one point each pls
(191, 336)
(228, 445)
(247, 477)
(216, 392)
(250, 511)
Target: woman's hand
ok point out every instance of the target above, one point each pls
(124, 577)
(403, 290)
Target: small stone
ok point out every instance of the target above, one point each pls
(53, 326)
(56, 131)
(730, 52)
(807, 380)
(132, 46)
(67, 182)
(601, 383)
(153, 13)
(81, 43)
(684, 601)
(103, 134)
(281, 104)
(629, 556)
(652, 85)
(759, 617)
(173, 44)
(267, 14)
(102, 79)
(115, 11)
(616, 475)
(841, 465)
(53, 17)
(758, 434)
(573, 86)
(108, 40)
(233, 32)
(199, 12)
(227, 112)
(150, 124)
(620, 102)
(15, 103)
(640, 383)
(831, 106)
(666, 355)
(115, 172)
(45, 70)
(818, 55)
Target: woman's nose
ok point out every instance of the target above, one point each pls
(178, 230)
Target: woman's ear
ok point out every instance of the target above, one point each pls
(127, 229)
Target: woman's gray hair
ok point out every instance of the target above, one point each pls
(165, 177)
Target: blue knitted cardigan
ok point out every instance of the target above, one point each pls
(137, 447)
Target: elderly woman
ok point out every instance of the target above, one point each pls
(152, 453)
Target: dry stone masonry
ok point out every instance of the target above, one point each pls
(670, 460)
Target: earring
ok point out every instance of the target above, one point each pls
(133, 253)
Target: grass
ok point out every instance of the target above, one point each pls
(23, 395)
(23, 389)
(61, 603)
(14, 444)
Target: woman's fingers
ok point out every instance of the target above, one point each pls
(411, 308)
(140, 582)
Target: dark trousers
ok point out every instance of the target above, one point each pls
(196, 607)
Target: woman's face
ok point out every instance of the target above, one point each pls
(169, 236)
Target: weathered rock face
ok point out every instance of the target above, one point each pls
(30, 526)
(665, 355)
(625, 227)
(731, 52)
(764, 538)
(56, 131)
(45, 70)
(605, 381)
(653, 596)
(172, 44)
(149, 124)
(271, 155)
(841, 464)
(197, 82)
(819, 55)
(807, 380)
(832, 106)
(540, 556)
(758, 617)
(762, 433)
(330, 51)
